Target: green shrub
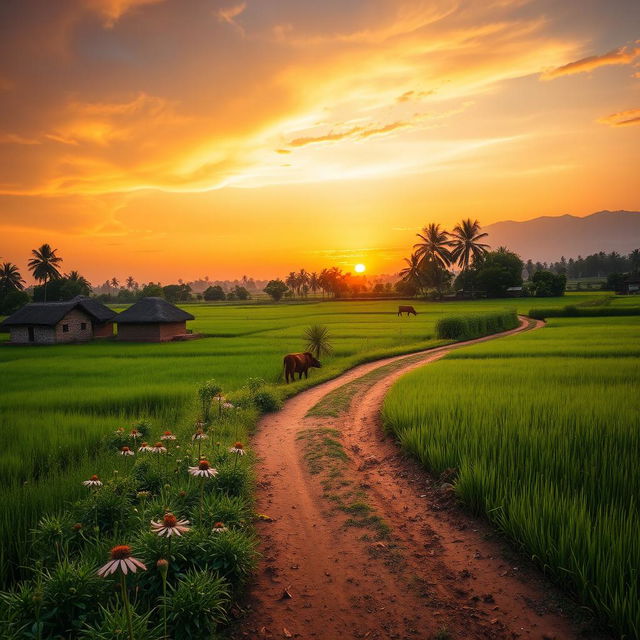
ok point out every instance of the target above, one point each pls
(232, 481)
(475, 326)
(266, 401)
(197, 605)
(232, 510)
(113, 626)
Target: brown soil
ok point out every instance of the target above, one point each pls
(420, 568)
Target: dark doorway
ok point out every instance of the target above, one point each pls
(31, 335)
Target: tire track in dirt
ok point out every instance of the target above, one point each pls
(438, 571)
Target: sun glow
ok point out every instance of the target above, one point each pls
(360, 268)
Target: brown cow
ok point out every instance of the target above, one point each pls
(406, 309)
(299, 363)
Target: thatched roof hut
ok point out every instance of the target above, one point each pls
(76, 320)
(152, 320)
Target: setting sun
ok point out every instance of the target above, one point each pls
(360, 268)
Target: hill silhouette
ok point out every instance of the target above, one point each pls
(548, 238)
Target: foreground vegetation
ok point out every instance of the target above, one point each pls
(59, 403)
(543, 429)
(179, 504)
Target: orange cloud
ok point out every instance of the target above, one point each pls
(229, 15)
(113, 10)
(353, 132)
(620, 56)
(622, 118)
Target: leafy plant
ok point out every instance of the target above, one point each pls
(318, 340)
(112, 625)
(197, 605)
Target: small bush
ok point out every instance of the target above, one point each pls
(113, 626)
(233, 481)
(266, 401)
(475, 326)
(197, 605)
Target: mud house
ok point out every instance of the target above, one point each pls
(77, 320)
(152, 320)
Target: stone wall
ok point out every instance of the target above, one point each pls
(42, 335)
(74, 321)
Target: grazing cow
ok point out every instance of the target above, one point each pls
(408, 309)
(299, 363)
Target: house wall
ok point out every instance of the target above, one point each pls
(158, 332)
(103, 330)
(74, 320)
(42, 335)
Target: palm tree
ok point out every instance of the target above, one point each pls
(74, 276)
(130, 282)
(115, 283)
(318, 340)
(303, 280)
(466, 248)
(10, 278)
(292, 281)
(434, 246)
(412, 272)
(43, 265)
(314, 282)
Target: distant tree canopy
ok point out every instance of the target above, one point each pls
(151, 290)
(12, 301)
(276, 289)
(494, 272)
(214, 293)
(239, 293)
(547, 284)
(596, 265)
(64, 288)
(177, 292)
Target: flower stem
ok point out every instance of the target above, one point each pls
(201, 497)
(127, 606)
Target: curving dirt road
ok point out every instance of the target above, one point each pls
(362, 543)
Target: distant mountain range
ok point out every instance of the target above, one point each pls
(549, 237)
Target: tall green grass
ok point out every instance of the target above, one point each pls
(544, 429)
(58, 404)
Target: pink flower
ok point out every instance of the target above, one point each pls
(199, 435)
(218, 527)
(125, 451)
(145, 447)
(170, 525)
(122, 560)
(158, 447)
(167, 435)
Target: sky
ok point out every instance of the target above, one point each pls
(170, 139)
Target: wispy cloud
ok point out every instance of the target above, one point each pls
(620, 56)
(622, 118)
(229, 14)
(113, 10)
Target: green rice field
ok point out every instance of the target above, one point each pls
(544, 430)
(59, 404)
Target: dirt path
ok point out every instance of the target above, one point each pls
(370, 546)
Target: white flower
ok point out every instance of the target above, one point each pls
(203, 470)
(158, 447)
(167, 435)
(125, 451)
(199, 435)
(145, 447)
(121, 559)
(238, 449)
(170, 525)
(94, 481)
(219, 527)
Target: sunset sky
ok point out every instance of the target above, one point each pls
(180, 138)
